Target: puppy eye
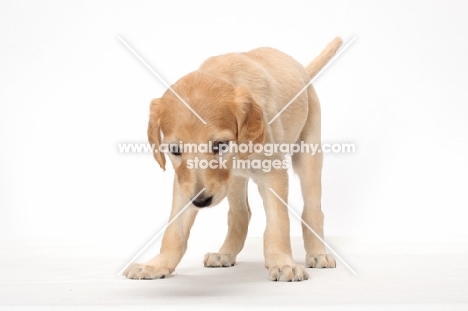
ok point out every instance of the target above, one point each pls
(175, 150)
(220, 146)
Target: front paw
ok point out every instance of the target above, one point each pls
(288, 273)
(138, 271)
(215, 260)
(320, 261)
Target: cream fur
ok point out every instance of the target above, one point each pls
(237, 94)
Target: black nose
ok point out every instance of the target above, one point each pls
(202, 201)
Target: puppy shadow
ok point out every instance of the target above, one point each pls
(200, 282)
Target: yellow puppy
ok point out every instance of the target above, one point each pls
(237, 95)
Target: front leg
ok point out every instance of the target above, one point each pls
(277, 242)
(173, 247)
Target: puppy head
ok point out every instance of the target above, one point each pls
(231, 116)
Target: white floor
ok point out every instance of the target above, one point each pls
(43, 275)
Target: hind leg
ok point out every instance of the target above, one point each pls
(238, 221)
(309, 169)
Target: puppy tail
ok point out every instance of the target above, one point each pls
(320, 61)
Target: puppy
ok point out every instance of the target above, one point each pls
(237, 95)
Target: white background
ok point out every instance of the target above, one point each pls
(70, 92)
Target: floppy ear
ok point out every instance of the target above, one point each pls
(154, 132)
(250, 122)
